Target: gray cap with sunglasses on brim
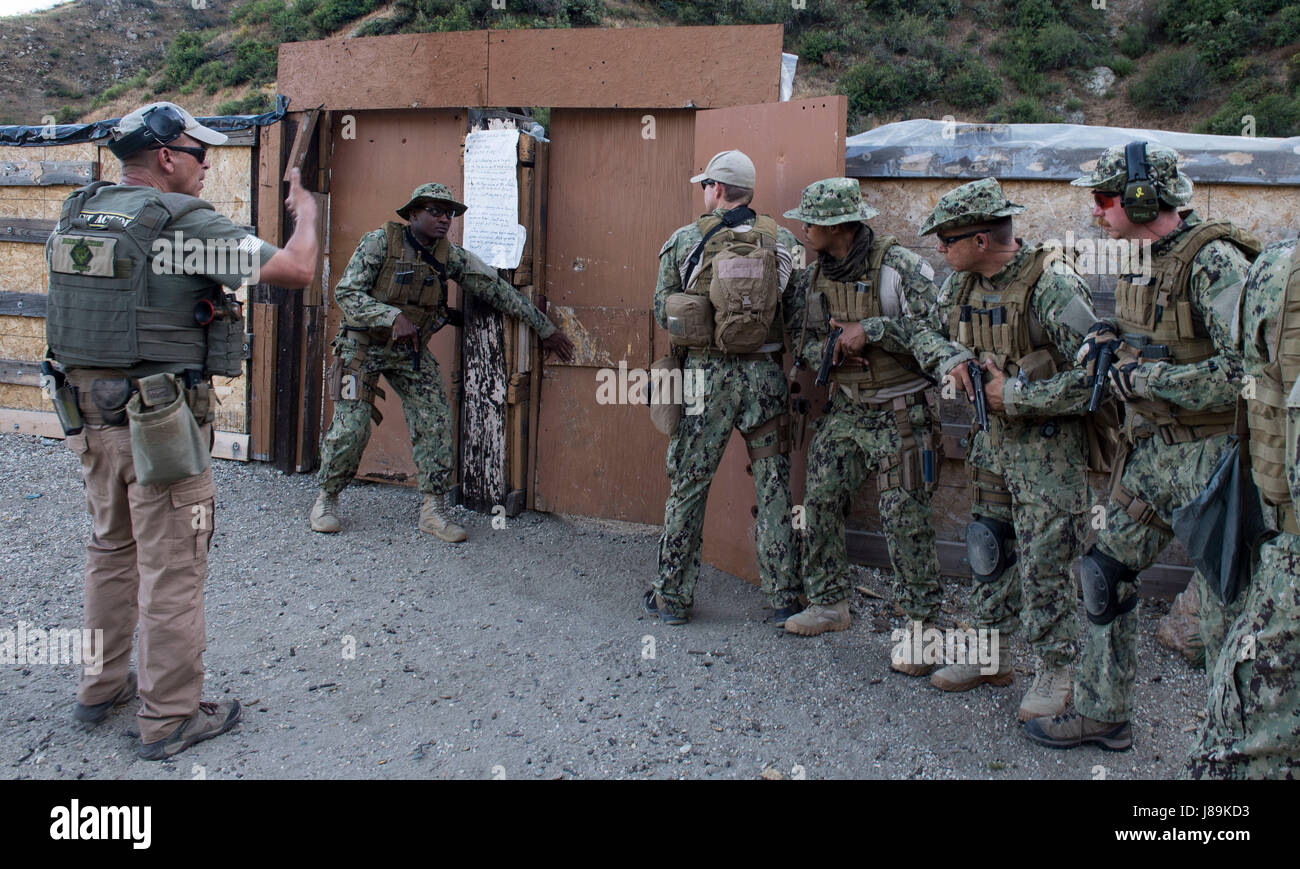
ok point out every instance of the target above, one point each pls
(431, 192)
(977, 202)
(729, 167)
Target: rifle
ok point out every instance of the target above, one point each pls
(977, 380)
(1105, 359)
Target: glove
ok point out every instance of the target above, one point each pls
(1101, 333)
(1128, 378)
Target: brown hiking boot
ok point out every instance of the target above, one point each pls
(99, 711)
(434, 521)
(908, 654)
(818, 619)
(1051, 694)
(212, 719)
(325, 514)
(965, 676)
(1072, 730)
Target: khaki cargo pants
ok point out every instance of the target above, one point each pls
(146, 562)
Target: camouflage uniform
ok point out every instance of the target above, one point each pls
(734, 392)
(1037, 449)
(855, 438)
(1164, 475)
(1253, 725)
(424, 401)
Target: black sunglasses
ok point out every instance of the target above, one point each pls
(706, 182)
(199, 154)
(440, 210)
(950, 240)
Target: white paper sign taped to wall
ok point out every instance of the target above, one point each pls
(492, 227)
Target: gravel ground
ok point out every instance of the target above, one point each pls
(520, 654)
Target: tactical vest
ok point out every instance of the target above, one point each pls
(763, 232)
(409, 283)
(995, 324)
(860, 300)
(1266, 414)
(1159, 309)
(99, 312)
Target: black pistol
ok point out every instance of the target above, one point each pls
(1105, 359)
(828, 357)
(977, 380)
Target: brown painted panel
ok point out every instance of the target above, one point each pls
(597, 460)
(601, 252)
(604, 337)
(792, 145)
(421, 70)
(644, 67)
(370, 177)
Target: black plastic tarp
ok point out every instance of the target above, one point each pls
(98, 131)
(1056, 152)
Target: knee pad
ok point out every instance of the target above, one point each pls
(989, 547)
(1099, 577)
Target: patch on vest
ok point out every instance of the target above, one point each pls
(107, 219)
(83, 255)
(739, 267)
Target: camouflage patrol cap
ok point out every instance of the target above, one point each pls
(431, 193)
(977, 202)
(1111, 174)
(831, 201)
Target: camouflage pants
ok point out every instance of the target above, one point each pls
(851, 442)
(1252, 729)
(424, 404)
(1166, 476)
(733, 393)
(1043, 466)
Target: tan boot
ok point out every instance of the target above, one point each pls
(961, 676)
(904, 657)
(1050, 695)
(818, 619)
(325, 514)
(434, 521)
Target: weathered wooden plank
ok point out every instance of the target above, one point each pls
(312, 380)
(26, 230)
(22, 304)
(47, 173)
(230, 445)
(483, 413)
(288, 362)
(241, 138)
(32, 422)
(302, 141)
(20, 371)
(262, 382)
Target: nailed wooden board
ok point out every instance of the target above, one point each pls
(386, 72)
(24, 372)
(19, 229)
(47, 173)
(31, 422)
(642, 67)
(13, 304)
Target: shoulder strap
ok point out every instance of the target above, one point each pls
(73, 205)
(694, 258)
(880, 245)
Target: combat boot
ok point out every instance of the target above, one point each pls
(1051, 693)
(904, 657)
(434, 521)
(818, 618)
(325, 514)
(965, 676)
(1072, 730)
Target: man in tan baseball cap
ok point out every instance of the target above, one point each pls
(157, 124)
(729, 167)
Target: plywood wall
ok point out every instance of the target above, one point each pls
(228, 186)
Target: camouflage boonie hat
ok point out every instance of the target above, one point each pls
(1111, 174)
(831, 201)
(977, 202)
(431, 193)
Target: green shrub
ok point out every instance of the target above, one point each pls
(584, 13)
(1025, 110)
(910, 34)
(184, 55)
(1171, 83)
(879, 86)
(1121, 66)
(1286, 29)
(1060, 46)
(256, 11)
(1275, 115)
(333, 14)
(1135, 41)
(254, 104)
(816, 45)
(972, 85)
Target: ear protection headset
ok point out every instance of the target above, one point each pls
(1140, 202)
(162, 124)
